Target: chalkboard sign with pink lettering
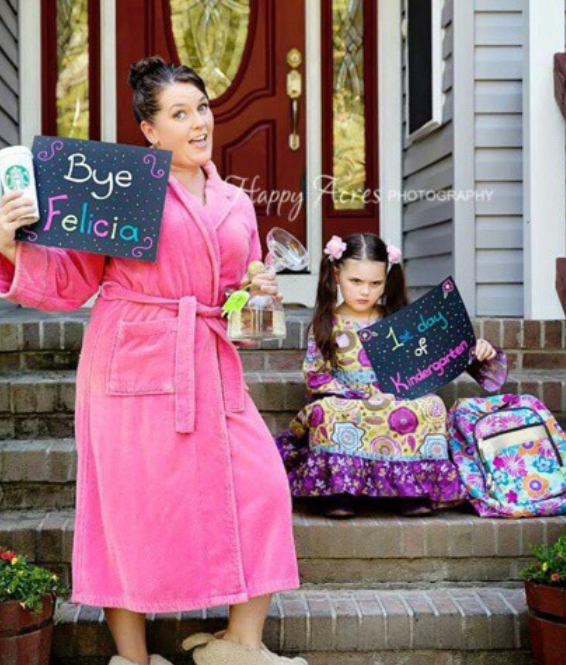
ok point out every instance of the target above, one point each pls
(424, 346)
(98, 197)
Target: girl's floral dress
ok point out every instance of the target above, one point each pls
(352, 438)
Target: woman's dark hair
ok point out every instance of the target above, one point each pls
(361, 247)
(149, 76)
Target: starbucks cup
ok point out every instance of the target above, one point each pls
(16, 174)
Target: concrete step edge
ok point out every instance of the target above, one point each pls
(53, 393)
(381, 535)
(25, 377)
(311, 621)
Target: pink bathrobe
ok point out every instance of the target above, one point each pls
(182, 498)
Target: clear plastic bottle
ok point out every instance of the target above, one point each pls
(261, 319)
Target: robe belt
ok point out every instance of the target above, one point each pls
(188, 308)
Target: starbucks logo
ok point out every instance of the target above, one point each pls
(17, 177)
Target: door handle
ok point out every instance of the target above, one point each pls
(294, 92)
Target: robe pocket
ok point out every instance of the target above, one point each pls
(142, 361)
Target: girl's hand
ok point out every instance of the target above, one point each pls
(484, 350)
(374, 391)
(12, 206)
(265, 283)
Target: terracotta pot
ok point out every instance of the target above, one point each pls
(25, 638)
(547, 623)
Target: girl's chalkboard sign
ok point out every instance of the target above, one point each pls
(423, 346)
(98, 197)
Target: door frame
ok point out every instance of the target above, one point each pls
(301, 288)
(29, 32)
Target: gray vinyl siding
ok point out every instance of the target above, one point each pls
(498, 158)
(428, 230)
(9, 83)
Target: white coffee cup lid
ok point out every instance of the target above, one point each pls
(15, 150)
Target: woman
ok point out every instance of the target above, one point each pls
(182, 500)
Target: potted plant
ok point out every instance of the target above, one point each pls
(545, 585)
(28, 594)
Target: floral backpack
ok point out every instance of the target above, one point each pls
(511, 455)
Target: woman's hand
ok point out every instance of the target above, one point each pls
(265, 283)
(12, 207)
(484, 350)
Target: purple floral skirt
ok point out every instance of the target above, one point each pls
(377, 447)
(323, 474)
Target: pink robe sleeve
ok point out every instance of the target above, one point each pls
(49, 278)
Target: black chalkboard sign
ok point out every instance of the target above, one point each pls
(423, 346)
(98, 197)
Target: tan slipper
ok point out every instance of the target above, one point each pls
(213, 650)
(197, 640)
(119, 660)
(281, 659)
(222, 652)
(155, 659)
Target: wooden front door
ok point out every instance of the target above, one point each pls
(248, 52)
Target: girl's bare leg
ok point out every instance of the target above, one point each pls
(128, 631)
(245, 625)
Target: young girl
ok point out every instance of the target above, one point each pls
(351, 439)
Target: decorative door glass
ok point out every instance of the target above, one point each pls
(349, 126)
(211, 36)
(72, 87)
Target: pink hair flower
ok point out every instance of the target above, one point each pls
(335, 247)
(394, 254)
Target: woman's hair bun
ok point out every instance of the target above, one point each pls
(143, 68)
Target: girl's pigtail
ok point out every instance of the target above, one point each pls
(395, 294)
(326, 300)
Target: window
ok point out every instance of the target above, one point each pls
(70, 68)
(423, 78)
(349, 115)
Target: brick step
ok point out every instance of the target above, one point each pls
(32, 341)
(61, 425)
(40, 404)
(52, 392)
(253, 361)
(37, 475)
(376, 548)
(30, 330)
(474, 626)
